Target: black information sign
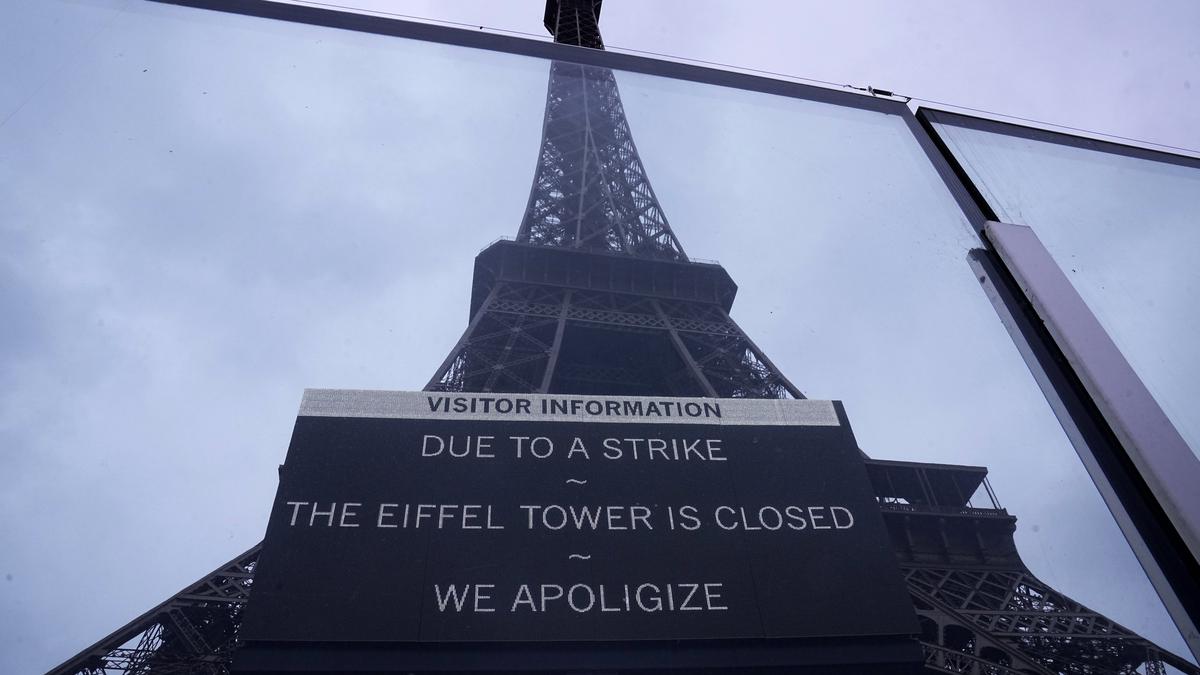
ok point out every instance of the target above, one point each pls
(427, 517)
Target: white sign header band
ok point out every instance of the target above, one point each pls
(566, 408)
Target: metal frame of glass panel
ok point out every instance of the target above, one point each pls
(1138, 460)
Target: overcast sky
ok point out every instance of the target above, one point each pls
(1108, 66)
(203, 214)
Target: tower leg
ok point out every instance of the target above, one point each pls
(194, 631)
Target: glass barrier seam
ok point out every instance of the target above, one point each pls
(968, 196)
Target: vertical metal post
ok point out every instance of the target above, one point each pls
(1163, 553)
(552, 362)
(1161, 455)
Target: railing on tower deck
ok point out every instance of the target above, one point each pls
(702, 261)
(971, 511)
(921, 485)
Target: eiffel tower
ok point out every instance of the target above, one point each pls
(596, 296)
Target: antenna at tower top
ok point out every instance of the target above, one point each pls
(575, 22)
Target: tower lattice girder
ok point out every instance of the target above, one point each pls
(590, 189)
(1026, 623)
(194, 631)
(981, 610)
(597, 296)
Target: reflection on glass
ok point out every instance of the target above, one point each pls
(851, 262)
(204, 214)
(1123, 230)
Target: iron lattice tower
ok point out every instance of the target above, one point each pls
(596, 296)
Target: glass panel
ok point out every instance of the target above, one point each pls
(204, 214)
(1122, 227)
(850, 259)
